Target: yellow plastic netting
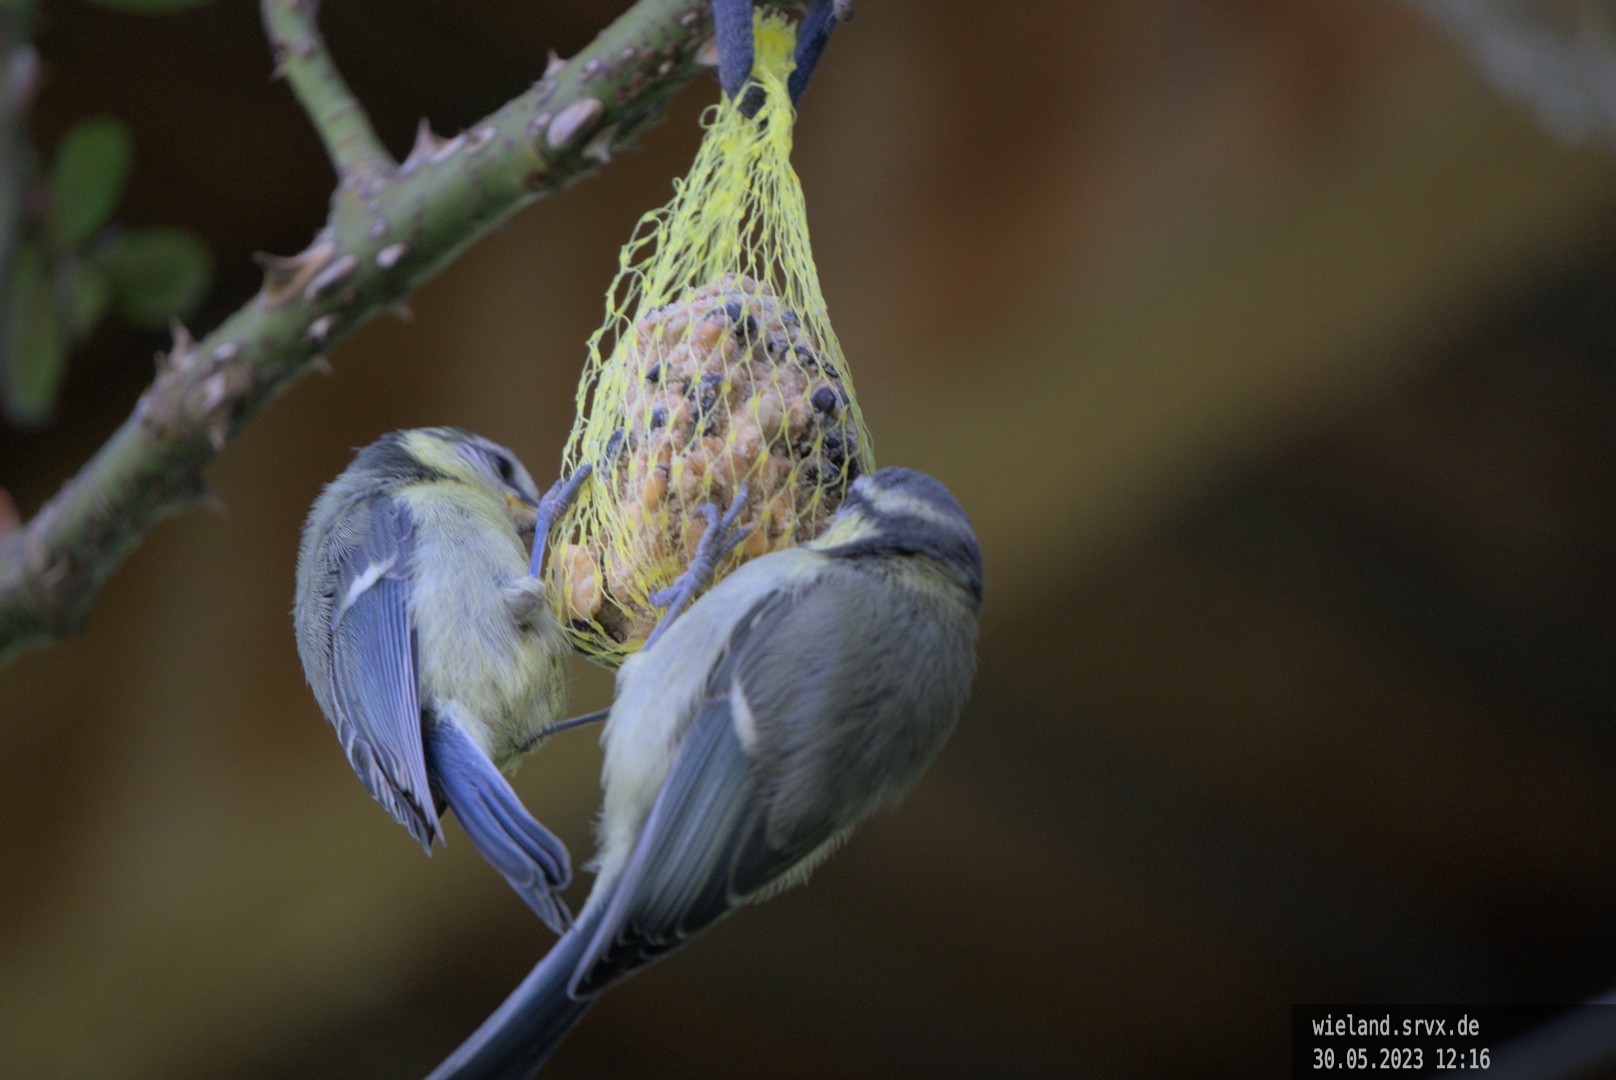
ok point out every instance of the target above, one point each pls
(716, 367)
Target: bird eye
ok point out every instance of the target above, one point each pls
(506, 470)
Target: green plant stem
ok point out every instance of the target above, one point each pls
(380, 240)
(301, 56)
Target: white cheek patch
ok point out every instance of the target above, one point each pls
(741, 715)
(373, 573)
(900, 503)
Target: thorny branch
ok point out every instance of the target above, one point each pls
(389, 229)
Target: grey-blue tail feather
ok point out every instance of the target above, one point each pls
(516, 1041)
(505, 834)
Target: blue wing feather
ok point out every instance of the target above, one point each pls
(373, 672)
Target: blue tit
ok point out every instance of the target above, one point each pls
(804, 690)
(428, 640)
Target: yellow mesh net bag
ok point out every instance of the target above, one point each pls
(716, 368)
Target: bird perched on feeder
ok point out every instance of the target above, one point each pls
(751, 735)
(427, 638)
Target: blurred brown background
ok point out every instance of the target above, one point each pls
(1274, 355)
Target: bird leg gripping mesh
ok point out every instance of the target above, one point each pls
(715, 379)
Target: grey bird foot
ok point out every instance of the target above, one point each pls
(552, 505)
(525, 599)
(720, 538)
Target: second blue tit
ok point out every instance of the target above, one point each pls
(798, 694)
(431, 648)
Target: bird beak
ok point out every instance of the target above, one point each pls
(524, 514)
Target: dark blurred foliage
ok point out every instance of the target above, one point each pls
(1273, 356)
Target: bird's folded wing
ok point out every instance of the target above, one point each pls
(713, 837)
(373, 669)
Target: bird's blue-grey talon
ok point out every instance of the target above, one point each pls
(526, 599)
(524, 852)
(664, 598)
(720, 538)
(551, 507)
(562, 725)
(578, 721)
(669, 597)
(726, 526)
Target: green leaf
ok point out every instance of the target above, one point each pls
(154, 275)
(87, 177)
(91, 294)
(148, 7)
(38, 355)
